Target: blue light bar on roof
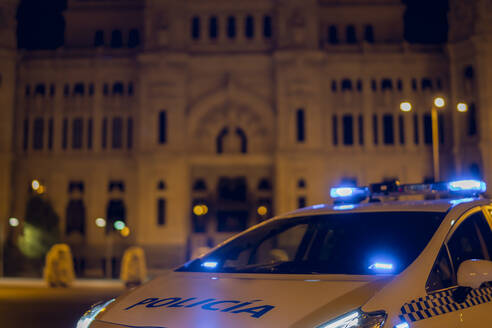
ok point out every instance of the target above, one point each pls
(467, 186)
(349, 192)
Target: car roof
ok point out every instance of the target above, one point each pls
(438, 205)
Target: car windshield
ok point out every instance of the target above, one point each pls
(346, 243)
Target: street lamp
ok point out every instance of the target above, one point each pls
(437, 104)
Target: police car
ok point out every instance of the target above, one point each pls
(370, 260)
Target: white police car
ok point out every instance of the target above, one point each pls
(396, 264)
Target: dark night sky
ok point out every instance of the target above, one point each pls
(41, 23)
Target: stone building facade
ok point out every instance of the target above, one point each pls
(153, 107)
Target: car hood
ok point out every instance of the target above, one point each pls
(203, 300)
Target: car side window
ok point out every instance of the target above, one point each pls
(441, 276)
(468, 241)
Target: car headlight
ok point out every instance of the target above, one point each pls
(357, 319)
(86, 320)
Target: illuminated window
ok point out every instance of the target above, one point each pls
(388, 130)
(38, 134)
(300, 120)
(162, 128)
(77, 133)
(351, 36)
(213, 27)
(267, 27)
(133, 38)
(117, 133)
(348, 130)
(161, 211)
(231, 27)
(249, 27)
(99, 38)
(369, 33)
(116, 39)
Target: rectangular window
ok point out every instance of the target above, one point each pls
(375, 129)
(195, 28)
(334, 123)
(129, 134)
(389, 138)
(50, 134)
(472, 120)
(441, 128)
(267, 27)
(117, 133)
(162, 127)
(65, 134)
(89, 133)
(301, 133)
(213, 27)
(77, 133)
(38, 134)
(104, 134)
(427, 129)
(25, 135)
(416, 129)
(348, 130)
(301, 202)
(361, 130)
(401, 128)
(161, 211)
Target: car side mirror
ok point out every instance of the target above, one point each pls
(474, 273)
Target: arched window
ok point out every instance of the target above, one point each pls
(249, 27)
(75, 217)
(213, 27)
(231, 27)
(115, 211)
(301, 183)
(333, 34)
(301, 125)
(195, 28)
(346, 85)
(351, 36)
(386, 84)
(99, 38)
(244, 140)
(116, 39)
(133, 38)
(369, 33)
(220, 140)
(200, 185)
(267, 27)
(162, 127)
(118, 88)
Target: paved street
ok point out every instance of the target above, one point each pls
(28, 303)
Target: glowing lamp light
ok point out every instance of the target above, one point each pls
(341, 192)
(405, 106)
(125, 232)
(14, 222)
(119, 225)
(343, 207)
(200, 209)
(402, 325)
(467, 185)
(100, 222)
(210, 264)
(35, 185)
(40, 190)
(262, 210)
(439, 102)
(462, 107)
(350, 320)
(381, 266)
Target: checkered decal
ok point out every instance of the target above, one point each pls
(441, 303)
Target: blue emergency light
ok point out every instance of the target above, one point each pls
(353, 195)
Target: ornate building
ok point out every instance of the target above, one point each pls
(248, 107)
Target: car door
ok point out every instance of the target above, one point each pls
(479, 313)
